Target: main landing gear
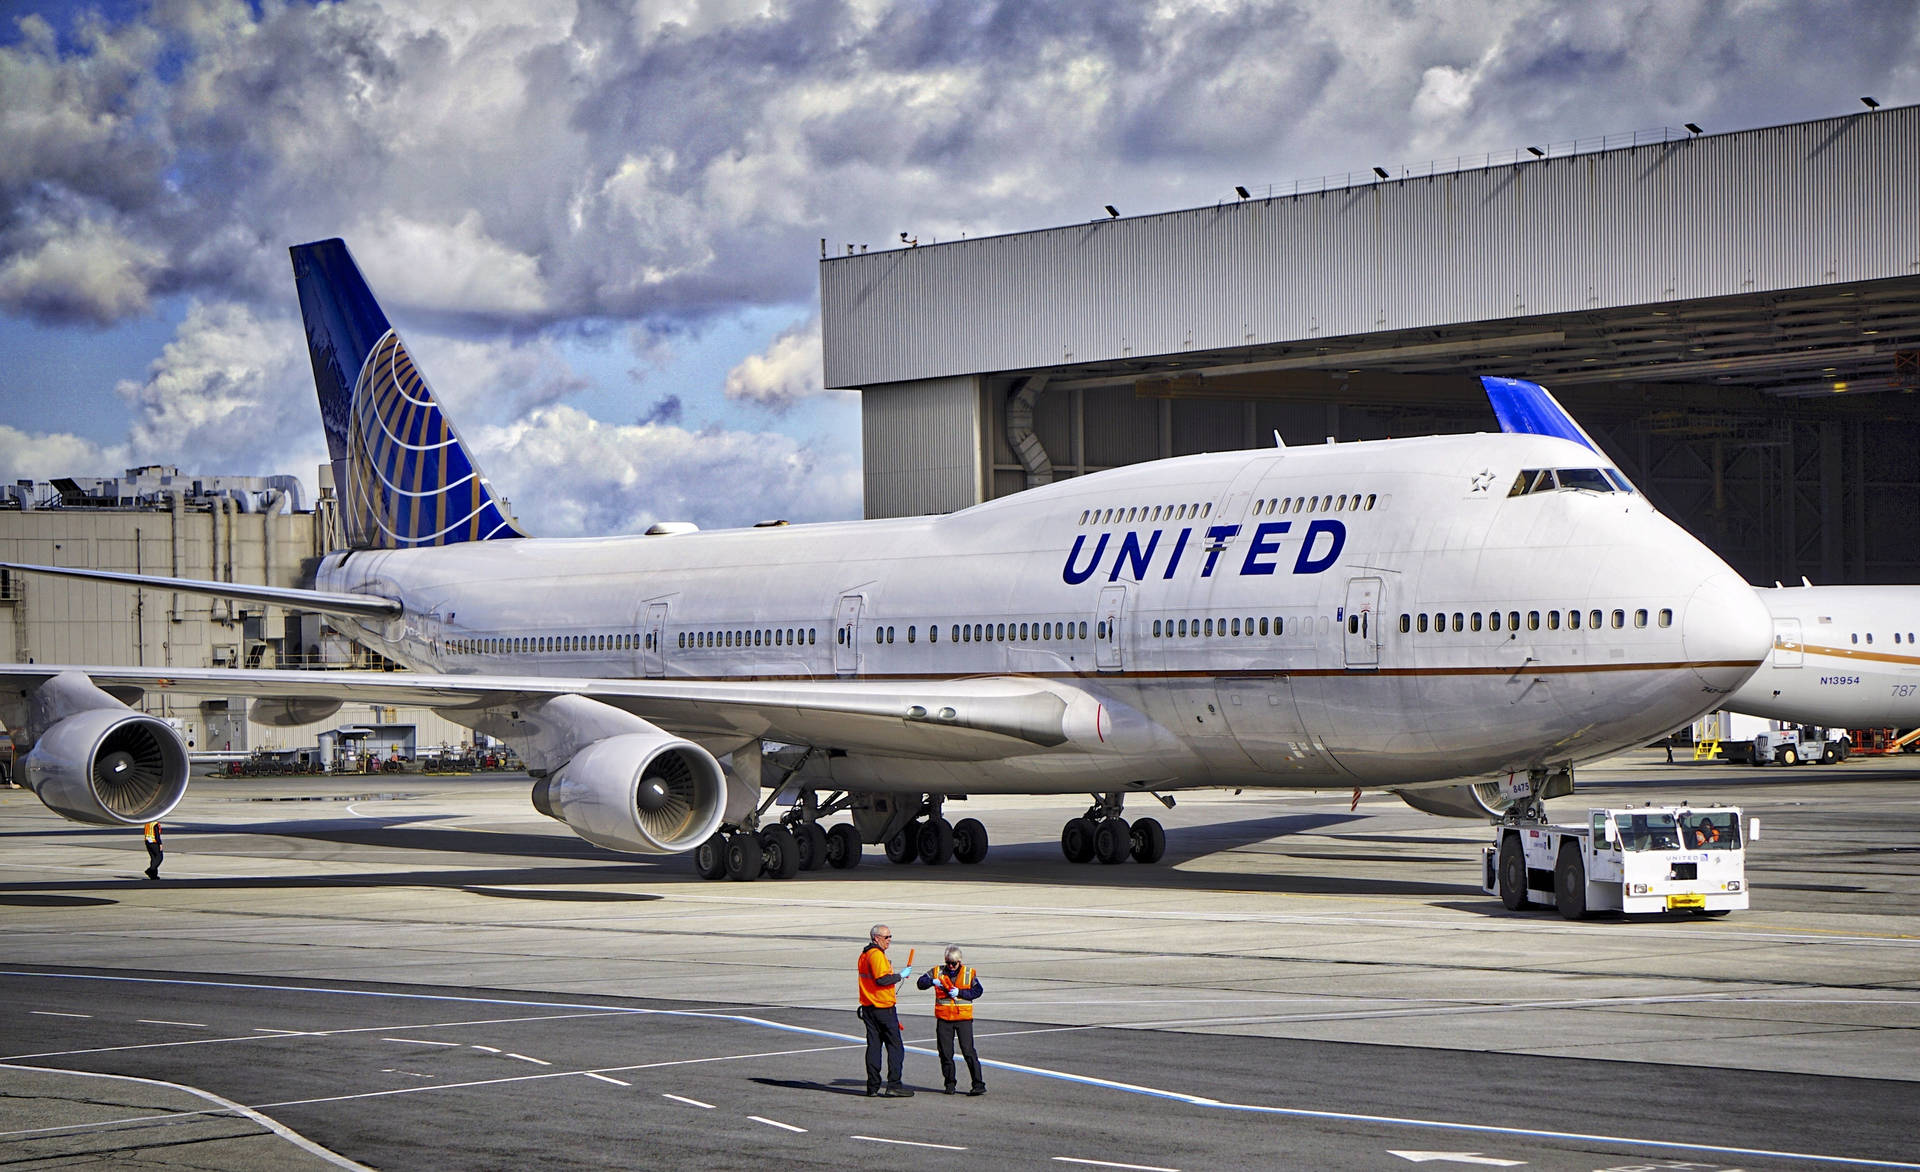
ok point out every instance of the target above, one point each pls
(930, 838)
(1101, 833)
(796, 843)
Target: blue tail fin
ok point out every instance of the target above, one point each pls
(1529, 409)
(403, 475)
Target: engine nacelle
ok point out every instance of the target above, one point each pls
(109, 767)
(643, 793)
(1480, 801)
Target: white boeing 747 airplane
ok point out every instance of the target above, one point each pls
(1398, 614)
(1843, 657)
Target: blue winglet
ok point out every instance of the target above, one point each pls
(1528, 409)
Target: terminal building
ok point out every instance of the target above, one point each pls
(1734, 317)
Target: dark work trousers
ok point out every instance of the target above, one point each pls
(883, 1031)
(944, 1033)
(154, 855)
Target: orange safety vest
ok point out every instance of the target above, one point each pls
(153, 832)
(873, 965)
(947, 1005)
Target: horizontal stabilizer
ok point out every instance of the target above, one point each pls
(358, 606)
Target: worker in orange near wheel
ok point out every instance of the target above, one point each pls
(878, 991)
(955, 988)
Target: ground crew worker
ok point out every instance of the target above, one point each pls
(154, 851)
(878, 990)
(955, 988)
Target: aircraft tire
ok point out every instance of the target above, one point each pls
(710, 857)
(1570, 883)
(904, 847)
(936, 841)
(779, 853)
(1076, 840)
(844, 846)
(1149, 840)
(744, 857)
(969, 840)
(1513, 874)
(1112, 840)
(812, 838)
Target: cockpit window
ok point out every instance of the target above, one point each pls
(1590, 479)
(1532, 480)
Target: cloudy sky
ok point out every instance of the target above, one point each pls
(597, 224)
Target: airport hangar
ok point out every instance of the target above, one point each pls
(1734, 317)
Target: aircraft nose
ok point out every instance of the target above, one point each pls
(1726, 631)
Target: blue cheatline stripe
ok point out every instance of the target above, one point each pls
(1036, 1071)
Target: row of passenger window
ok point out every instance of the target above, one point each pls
(984, 632)
(546, 644)
(1266, 506)
(764, 637)
(1896, 637)
(1330, 503)
(1146, 513)
(1494, 621)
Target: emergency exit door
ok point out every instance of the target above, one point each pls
(1788, 651)
(1363, 622)
(653, 650)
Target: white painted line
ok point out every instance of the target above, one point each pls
(197, 1025)
(1110, 1164)
(227, 1106)
(278, 1033)
(56, 1013)
(488, 1049)
(911, 1143)
(536, 1061)
(419, 1042)
(604, 1078)
(776, 1123)
(688, 1102)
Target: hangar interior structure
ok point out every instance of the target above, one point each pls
(1735, 317)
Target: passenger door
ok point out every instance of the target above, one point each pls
(653, 653)
(1363, 623)
(1107, 653)
(846, 636)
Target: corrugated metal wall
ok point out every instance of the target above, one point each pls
(921, 448)
(1782, 207)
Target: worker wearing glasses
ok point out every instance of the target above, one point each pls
(878, 990)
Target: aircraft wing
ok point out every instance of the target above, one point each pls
(970, 719)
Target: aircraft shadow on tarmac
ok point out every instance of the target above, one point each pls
(1322, 865)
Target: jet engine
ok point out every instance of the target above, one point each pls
(110, 766)
(1481, 800)
(639, 792)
